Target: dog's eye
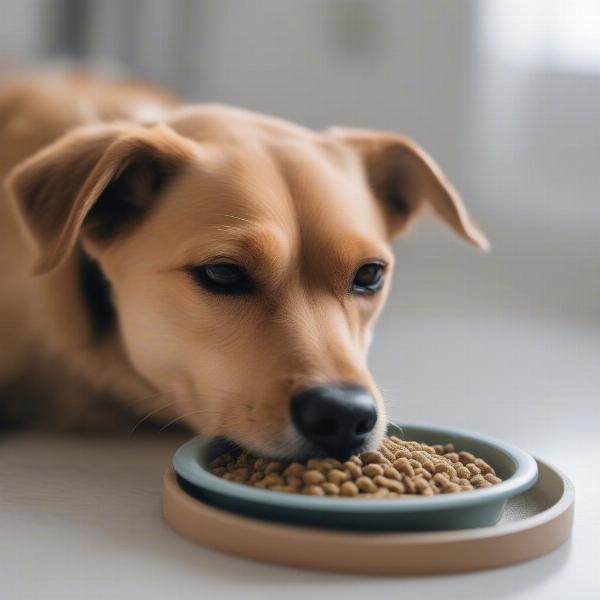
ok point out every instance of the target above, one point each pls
(223, 278)
(368, 279)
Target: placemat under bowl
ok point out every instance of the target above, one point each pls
(534, 523)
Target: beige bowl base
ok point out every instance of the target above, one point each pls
(533, 524)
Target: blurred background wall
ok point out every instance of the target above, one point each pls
(505, 94)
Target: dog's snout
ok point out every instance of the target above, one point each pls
(335, 419)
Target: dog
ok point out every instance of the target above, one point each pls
(198, 264)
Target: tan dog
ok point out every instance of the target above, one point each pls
(199, 263)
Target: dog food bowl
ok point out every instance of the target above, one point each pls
(464, 510)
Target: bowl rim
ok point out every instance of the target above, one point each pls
(188, 467)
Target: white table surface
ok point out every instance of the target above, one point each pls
(80, 517)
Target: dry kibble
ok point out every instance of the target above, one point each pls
(398, 469)
(261, 464)
(331, 489)
(353, 469)
(294, 469)
(331, 463)
(451, 488)
(313, 490)
(484, 467)
(273, 479)
(372, 470)
(466, 457)
(478, 481)
(402, 452)
(338, 476)
(440, 479)
(404, 467)
(281, 488)
(273, 467)
(295, 482)
(490, 478)
(462, 472)
(313, 477)
(366, 484)
(255, 477)
(372, 457)
(314, 463)
(392, 473)
(348, 488)
(410, 486)
(446, 468)
(473, 469)
(390, 484)
(388, 454)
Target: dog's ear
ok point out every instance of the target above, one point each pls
(96, 181)
(407, 180)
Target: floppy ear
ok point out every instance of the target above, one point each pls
(406, 179)
(96, 181)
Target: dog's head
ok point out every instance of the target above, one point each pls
(248, 260)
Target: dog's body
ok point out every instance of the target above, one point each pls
(138, 207)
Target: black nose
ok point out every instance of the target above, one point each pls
(335, 419)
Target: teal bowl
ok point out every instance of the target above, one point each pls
(476, 508)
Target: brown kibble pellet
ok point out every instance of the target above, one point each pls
(295, 482)
(473, 469)
(331, 463)
(255, 477)
(313, 477)
(462, 472)
(491, 478)
(477, 480)
(404, 466)
(294, 470)
(484, 467)
(409, 485)
(440, 479)
(337, 476)
(348, 488)
(273, 479)
(281, 488)
(352, 468)
(466, 457)
(390, 484)
(451, 488)
(372, 470)
(388, 454)
(421, 484)
(366, 485)
(444, 467)
(261, 464)
(315, 463)
(402, 452)
(331, 489)
(398, 469)
(392, 473)
(372, 457)
(313, 490)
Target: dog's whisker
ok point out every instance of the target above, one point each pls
(188, 414)
(233, 217)
(150, 414)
